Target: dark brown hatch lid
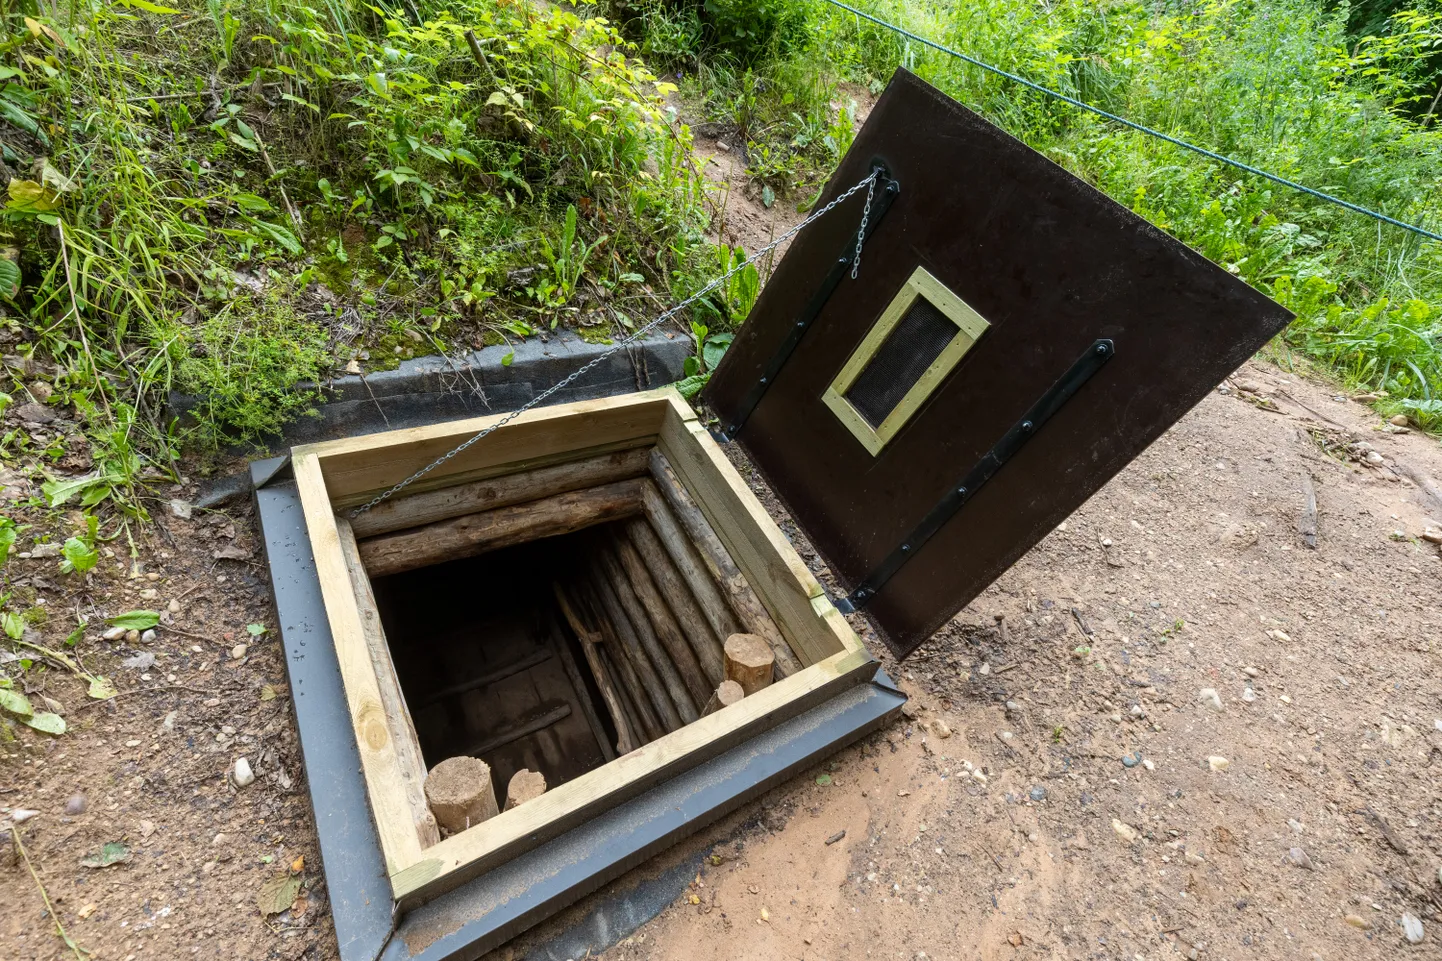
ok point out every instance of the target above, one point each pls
(1014, 338)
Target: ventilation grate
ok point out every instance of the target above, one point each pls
(912, 346)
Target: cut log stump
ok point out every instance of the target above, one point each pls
(525, 785)
(749, 661)
(728, 693)
(460, 794)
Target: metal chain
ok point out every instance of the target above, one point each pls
(861, 234)
(869, 182)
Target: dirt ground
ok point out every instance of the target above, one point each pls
(1064, 785)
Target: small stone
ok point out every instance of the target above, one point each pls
(1037, 793)
(353, 366)
(147, 828)
(76, 805)
(218, 840)
(1300, 858)
(21, 815)
(1191, 857)
(1210, 698)
(168, 725)
(1250, 671)
(1375, 459)
(114, 634)
(722, 145)
(149, 594)
(979, 776)
(1411, 928)
(1357, 921)
(1149, 764)
(1295, 825)
(1218, 763)
(237, 652)
(132, 636)
(242, 774)
(1131, 760)
(1125, 831)
(984, 670)
(909, 710)
(942, 729)
(173, 607)
(1398, 420)
(181, 508)
(147, 637)
(1248, 695)
(1280, 635)
(1005, 735)
(132, 743)
(42, 552)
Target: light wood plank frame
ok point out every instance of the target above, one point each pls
(969, 327)
(333, 476)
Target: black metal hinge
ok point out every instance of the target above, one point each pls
(889, 189)
(954, 499)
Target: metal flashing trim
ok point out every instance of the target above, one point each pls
(891, 188)
(954, 499)
(920, 286)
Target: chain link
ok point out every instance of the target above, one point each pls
(869, 182)
(861, 234)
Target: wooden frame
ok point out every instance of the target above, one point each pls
(332, 477)
(970, 326)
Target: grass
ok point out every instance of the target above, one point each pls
(1286, 85)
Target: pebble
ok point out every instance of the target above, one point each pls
(1210, 697)
(1357, 921)
(1131, 760)
(242, 774)
(237, 652)
(1193, 857)
(132, 637)
(941, 728)
(114, 634)
(1411, 928)
(173, 607)
(1250, 671)
(181, 508)
(1300, 858)
(1149, 764)
(1125, 831)
(1295, 825)
(168, 725)
(1374, 458)
(1037, 793)
(979, 776)
(1432, 535)
(1248, 695)
(1218, 763)
(1398, 420)
(76, 805)
(21, 815)
(43, 551)
(147, 637)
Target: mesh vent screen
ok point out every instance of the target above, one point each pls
(908, 350)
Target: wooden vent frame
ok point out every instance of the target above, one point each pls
(334, 477)
(969, 327)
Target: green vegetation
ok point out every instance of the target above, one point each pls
(1345, 99)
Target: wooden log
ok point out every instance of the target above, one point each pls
(651, 725)
(683, 553)
(583, 694)
(460, 793)
(676, 688)
(428, 507)
(749, 661)
(526, 785)
(663, 622)
(503, 527)
(726, 694)
(625, 742)
(627, 699)
(666, 715)
(410, 765)
(737, 592)
(695, 626)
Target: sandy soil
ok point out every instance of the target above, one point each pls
(1052, 794)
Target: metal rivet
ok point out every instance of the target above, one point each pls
(961, 491)
(1101, 348)
(1026, 425)
(893, 187)
(906, 547)
(763, 380)
(844, 260)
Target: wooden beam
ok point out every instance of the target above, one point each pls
(770, 564)
(749, 662)
(552, 714)
(503, 527)
(727, 693)
(583, 693)
(734, 588)
(390, 806)
(485, 680)
(596, 612)
(410, 765)
(414, 510)
(357, 468)
(673, 587)
(663, 622)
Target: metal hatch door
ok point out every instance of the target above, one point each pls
(1014, 338)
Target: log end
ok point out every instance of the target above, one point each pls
(728, 693)
(750, 661)
(526, 785)
(459, 793)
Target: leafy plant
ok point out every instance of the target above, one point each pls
(567, 259)
(79, 552)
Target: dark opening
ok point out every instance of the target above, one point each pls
(911, 347)
(487, 667)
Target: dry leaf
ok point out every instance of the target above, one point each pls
(1015, 939)
(298, 865)
(277, 895)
